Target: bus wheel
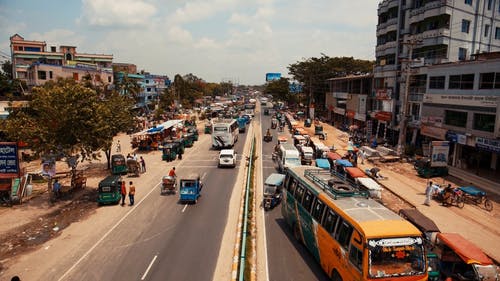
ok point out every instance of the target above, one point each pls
(336, 276)
(296, 232)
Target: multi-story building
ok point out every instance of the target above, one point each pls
(150, 86)
(415, 33)
(461, 104)
(349, 100)
(33, 63)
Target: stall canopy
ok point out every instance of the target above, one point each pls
(467, 251)
(323, 164)
(343, 162)
(164, 126)
(333, 156)
(355, 172)
(421, 221)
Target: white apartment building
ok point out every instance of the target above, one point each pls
(412, 34)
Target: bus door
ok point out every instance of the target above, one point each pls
(355, 269)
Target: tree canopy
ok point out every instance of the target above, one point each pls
(70, 118)
(314, 72)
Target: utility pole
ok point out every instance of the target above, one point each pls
(404, 101)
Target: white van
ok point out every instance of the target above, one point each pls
(288, 156)
(227, 158)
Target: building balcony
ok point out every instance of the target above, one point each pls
(430, 9)
(385, 46)
(429, 37)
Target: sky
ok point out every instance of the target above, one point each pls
(216, 40)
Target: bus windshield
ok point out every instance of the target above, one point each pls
(390, 257)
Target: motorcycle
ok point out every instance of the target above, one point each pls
(453, 197)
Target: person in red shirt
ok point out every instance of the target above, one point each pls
(172, 172)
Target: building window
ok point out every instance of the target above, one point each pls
(486, 30)
(489, 4)
(50, 75)
(463, 82)
(484, 122)
(109, 79)
(468, 2)
(32, 49)
(42, 75)
(465, 26)
(436, 82)
(455, 118)
(497, 33)
(490, 80)
(148, 90)
(462, 53)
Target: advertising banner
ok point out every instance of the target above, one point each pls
(273, 76)
(440, 150)
(9, 161)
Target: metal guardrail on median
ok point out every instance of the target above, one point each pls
(244, 230)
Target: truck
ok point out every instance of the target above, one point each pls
(287, 156)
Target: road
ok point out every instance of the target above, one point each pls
(157, 239)
(287, 259)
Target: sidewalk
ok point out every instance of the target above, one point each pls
(475, 224)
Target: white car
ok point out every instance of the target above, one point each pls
(227, 158)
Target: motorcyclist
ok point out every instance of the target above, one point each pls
(447, 192)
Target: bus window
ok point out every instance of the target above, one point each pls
(299, 194)
(330, 221)
(292, 186)
(356, 257)
(317, 210)
(343, 234)
(308, 199)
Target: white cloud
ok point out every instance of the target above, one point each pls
(58, 37)
(179, 35)
(127, 13)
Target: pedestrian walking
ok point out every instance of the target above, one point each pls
(362, 155)
(123, 192)
(131, 193)
(143, 164)
(428, 194)
(56, 188)
(118, 147)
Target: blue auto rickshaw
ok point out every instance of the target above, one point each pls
(190, 189)
(272, 190)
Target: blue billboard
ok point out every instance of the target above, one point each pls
(272, 76)
(295, 88)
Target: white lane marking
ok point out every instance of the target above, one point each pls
(149, 267)
(183, 209)
(203, 176)
(106, 234)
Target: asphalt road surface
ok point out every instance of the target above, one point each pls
(287, 259)
(162, 239)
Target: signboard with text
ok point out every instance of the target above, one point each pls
(470, 100)
(9, 160)
(439, 156)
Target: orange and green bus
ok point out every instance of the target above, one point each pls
(351, 236)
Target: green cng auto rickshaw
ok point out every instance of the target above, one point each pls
(170, 151)
(118, 164)
(109, 190)
(424, 168)
(188, 139)
(194, 131)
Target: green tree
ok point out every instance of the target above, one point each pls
(71, 119)
(279, 89)
(314, 72)
(9, 87)
(128, 87)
